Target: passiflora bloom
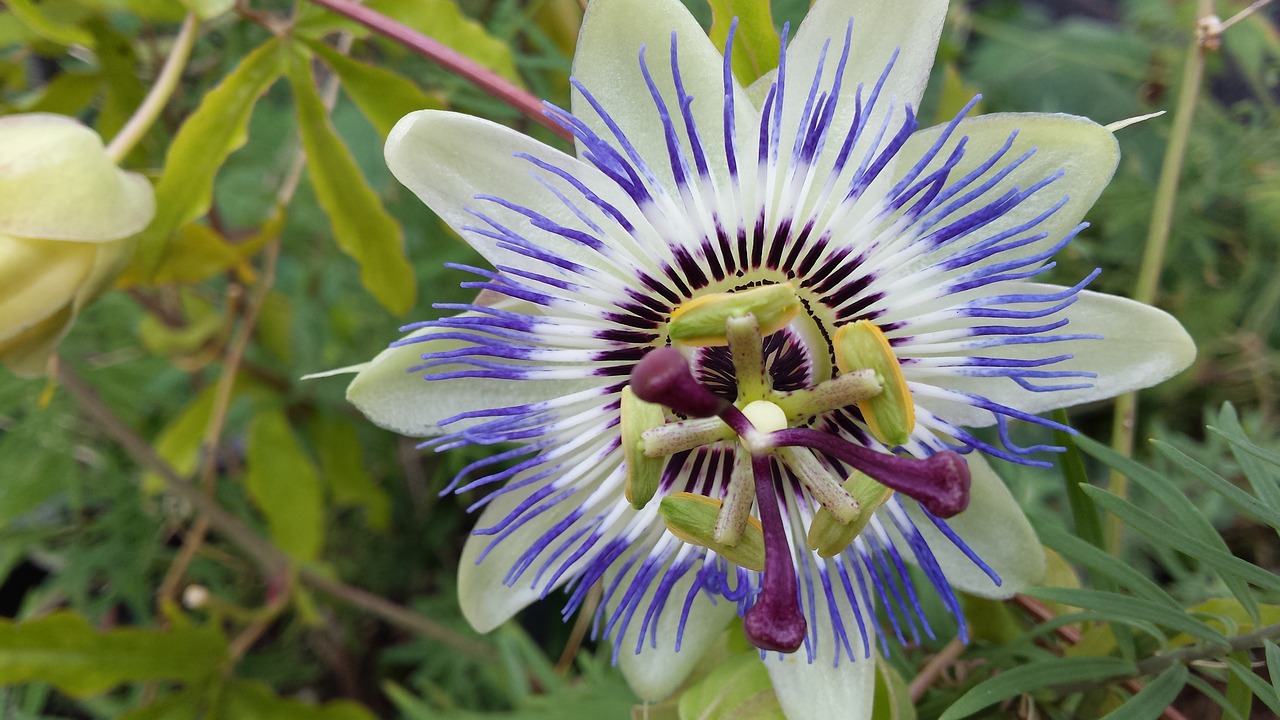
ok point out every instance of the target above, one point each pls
(727, 352)
(65, 212)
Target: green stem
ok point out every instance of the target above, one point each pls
(1124, 423)
(1083, 510)
(145, 116)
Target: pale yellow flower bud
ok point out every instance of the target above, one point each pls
(66, 216)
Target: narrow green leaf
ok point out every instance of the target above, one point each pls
(756, 45)
(1273, 665)
(64, 650)
(284, 484)
(1191, 522)
(1035, 676)
(1239, 694)
(893, 697)
(344, 471)
(382, 96)
(1206, 688)
(1132, 607)
(1230, 492)
(1261, 466)
(1220, 560)
(1105, 564)
(1262, 689)
(211, 133)
(1085, 515)
(362, 227)
(1151, 701)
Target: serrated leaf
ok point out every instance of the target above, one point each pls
(362, 227)
(1035, 676)
(65, 651)
(283, 483)
(382, 96)
(344, 471)
(740, 688)
(1151, 701)
(217, 128)
(756, 45)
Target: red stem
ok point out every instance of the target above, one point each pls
(487, 80)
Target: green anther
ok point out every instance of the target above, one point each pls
(891, 415)
(829, 537)
(703, 320)
(692, 518)
(643, 472)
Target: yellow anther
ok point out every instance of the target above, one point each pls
(891, 415)
(702, 320)
(828, 536)
(692, 518)
(643, 472)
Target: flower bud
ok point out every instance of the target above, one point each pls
(66, 212)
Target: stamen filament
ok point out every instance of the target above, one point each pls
(746, 346)
(850, 388)
(738, 499)
(775, 622)
(820, 483)
(675, 437)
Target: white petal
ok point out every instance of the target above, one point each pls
(1141, 346)
(607, 63)
(656, 672)
(995, 528)
(447, 159)
(399, 400)
(822, 689)
(57, 183)
(911, 27)
(486, 600)
(1083, 150)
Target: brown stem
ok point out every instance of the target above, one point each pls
(932, 669)
(269, 558)
(487, 80)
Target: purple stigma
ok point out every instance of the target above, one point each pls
(663, 377)
(775, 621)
(940, 482)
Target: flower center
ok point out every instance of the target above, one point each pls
(769, 423)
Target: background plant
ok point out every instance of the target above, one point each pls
(198, 533)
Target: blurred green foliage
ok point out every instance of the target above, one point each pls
(277, 214)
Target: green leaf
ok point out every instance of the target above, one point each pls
(1261, 466)
(32, 474)
(1260, 688)
(362, 227)
(382, 96)
(1035, 676)
(756, 45)
(179, 442)
(48, 27)
(208, 9)
(344, 471)
(1229, 491)
(1239, 693)
(440, 20)
(1131, 607)
(211, 133)
(1220, 560)
(198, 252)
(63, 650)
(250, 700)
(1273, 665)
(1229, 617)
(1088, 525)
(284, 484)
(738, 689)
(893, 697)
(1151, 701)
(1104, 564)
(67, 94)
